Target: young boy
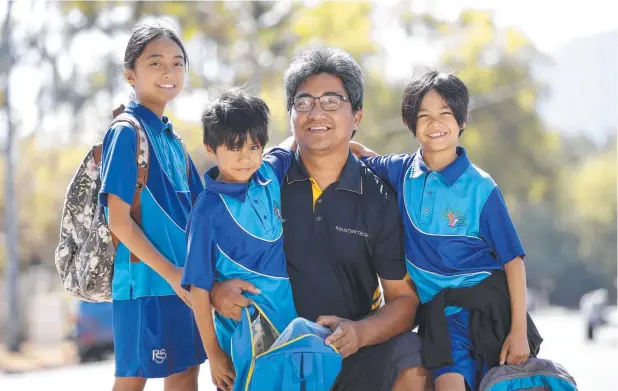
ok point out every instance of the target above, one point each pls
(235, 230)
(458, 231)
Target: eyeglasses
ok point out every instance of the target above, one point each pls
(329, 102)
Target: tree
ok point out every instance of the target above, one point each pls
(546, 179)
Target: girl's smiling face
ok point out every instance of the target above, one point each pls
(159, 72)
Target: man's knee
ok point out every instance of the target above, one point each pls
(183, 381)
(412, 379)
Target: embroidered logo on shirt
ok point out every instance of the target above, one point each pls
(455, 218)
(352, 231)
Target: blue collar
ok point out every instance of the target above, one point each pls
(150, 119)
(350, 178)
(450, 173)
(235, 190)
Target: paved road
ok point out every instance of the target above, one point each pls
(592, 364)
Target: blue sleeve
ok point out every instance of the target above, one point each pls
(119, 164)
(280, 159)
(196, 186)
(388, 167)
(496, 228)
(201, 252)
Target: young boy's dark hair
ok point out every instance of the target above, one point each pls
(450, 88)
(232, 117)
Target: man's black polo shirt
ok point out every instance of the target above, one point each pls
(335, 253)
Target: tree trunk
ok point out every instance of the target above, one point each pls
(14, 334)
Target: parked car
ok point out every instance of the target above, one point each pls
(92, 331)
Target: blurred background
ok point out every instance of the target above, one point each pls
(543, 78)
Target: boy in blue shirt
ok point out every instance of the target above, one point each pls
(458, 230)
(235, 229)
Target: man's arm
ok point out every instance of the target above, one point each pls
(397, 315)
(401, 300)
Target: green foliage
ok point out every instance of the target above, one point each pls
(561, 192)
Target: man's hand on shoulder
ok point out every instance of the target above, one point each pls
(346, 337)
(289, 143)
(359, 150)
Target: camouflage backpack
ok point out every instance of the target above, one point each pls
(85, 255)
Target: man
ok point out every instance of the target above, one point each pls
(342, 232)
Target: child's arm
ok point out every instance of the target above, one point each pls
(516, 349)
(279, 159)
(198, 278)
(388, 167)
(118, 180)
(497, 228)
(131, 235)
(221, 367)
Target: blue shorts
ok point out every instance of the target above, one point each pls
(461, 349)
(155, 337)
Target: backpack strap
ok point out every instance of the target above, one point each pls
(142, 159)
(97, 151)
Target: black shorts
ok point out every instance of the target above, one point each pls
(376, 368)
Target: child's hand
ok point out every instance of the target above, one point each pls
(515, 350)
(289, 143)
(359, 150)
(174, 279)
(221, 370)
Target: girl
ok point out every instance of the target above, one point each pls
(155, 335)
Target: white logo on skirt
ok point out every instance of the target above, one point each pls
(159, 356)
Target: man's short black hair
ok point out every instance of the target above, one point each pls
(448, 86)
(232, 117)
(333, 61)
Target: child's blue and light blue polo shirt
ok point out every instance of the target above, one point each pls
(235, 231)
(166, 199)
(457, 226)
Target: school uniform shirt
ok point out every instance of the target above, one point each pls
(456, 223)
(235, 231)
(166, 200)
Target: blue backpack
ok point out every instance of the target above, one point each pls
(535, 375)
(293, 360)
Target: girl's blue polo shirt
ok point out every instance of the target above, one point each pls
(166, 199)
(457, 226)
(235, 231)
